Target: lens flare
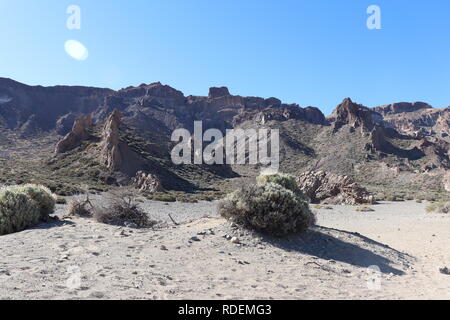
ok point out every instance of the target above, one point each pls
(76, 50)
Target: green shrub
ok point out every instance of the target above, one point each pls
(22, 207)
(43, 197)
(285, 180)
(268, 208)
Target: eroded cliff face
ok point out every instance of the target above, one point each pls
(353, 115)
(417, 119)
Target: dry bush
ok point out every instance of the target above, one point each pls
(123, 210)
(268, 207)
(80, 208)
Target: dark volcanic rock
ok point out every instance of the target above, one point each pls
(352, 114)
(65, 124)
(216, 92)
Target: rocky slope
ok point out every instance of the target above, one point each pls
(418, 118)
(402, 147)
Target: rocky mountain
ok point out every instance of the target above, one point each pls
(103, 137)
(418, 119)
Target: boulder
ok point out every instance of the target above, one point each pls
(147, 182)
(331, 188)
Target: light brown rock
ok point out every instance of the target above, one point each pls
(321, 186)
(110, 154)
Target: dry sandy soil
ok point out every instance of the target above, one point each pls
(82, 259)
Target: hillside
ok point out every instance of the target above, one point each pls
(399, 148)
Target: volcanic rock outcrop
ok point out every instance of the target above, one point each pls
(416, 119)
(79, 133)
(324, 187)
(110, 154)
(355, 115)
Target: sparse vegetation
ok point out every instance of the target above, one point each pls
(268, 207)
(439, 207)
(22, 207)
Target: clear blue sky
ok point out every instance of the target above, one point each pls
(311, 52)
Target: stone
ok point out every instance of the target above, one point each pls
(147, 182)
(321, 186)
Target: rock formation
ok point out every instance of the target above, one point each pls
(65, 123)
(446, 181)
(416, 119)
(330, 188)
(79, 133)
(355, 115)
(218, 92)
(147, 182)
(110, 146)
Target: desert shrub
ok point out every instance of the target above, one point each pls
(22, 207)
(123, 211)
(285, 180)
(268, 208)
(45, 199)
(439, 207)
(79, 208)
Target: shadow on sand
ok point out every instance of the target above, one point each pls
(52, 224)
(327, 244)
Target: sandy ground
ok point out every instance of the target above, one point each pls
(82, 259)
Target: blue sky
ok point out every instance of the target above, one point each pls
(311, 52)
